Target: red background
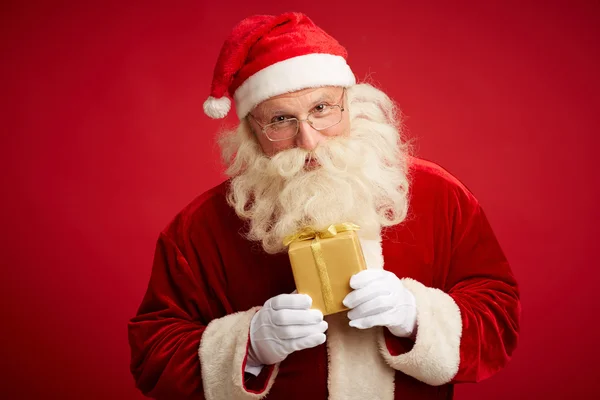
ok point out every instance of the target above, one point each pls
(103, 141)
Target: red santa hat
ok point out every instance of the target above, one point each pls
(266, 55)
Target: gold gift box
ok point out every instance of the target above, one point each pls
(343, 257)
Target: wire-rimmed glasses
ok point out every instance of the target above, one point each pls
(324, 116)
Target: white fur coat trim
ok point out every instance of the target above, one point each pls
(222, 352)
(356, 370)
(435, 356)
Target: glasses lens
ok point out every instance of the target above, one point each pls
(282, 130)
(326, 117)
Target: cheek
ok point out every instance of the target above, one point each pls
(271, 148)
(346, 122)
(264, 143)
(341, 129)
(276, 147)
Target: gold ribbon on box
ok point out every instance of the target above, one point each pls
(310, 233)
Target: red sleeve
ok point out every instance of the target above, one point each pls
(467, 327)
(482, 284)
(165, 334)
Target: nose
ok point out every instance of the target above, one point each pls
(308, 138)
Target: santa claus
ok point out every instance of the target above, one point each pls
(437, 305)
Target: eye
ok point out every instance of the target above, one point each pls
(279, 118)
(321, 107)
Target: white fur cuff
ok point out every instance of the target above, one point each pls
(222, 352)
(435, 356)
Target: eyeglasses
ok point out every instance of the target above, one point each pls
(324, 116)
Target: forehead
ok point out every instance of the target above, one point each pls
(300, 98)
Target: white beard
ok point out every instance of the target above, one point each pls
(361, 179)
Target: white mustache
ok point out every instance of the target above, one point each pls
(336, 155)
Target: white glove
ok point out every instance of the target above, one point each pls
(380, 299)
(283, 325)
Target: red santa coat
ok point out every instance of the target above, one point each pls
(190, 335)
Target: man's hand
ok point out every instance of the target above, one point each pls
(283, 325)
(380, 299)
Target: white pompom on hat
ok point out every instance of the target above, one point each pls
(266, 55)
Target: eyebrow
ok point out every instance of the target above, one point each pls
(324, 97)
